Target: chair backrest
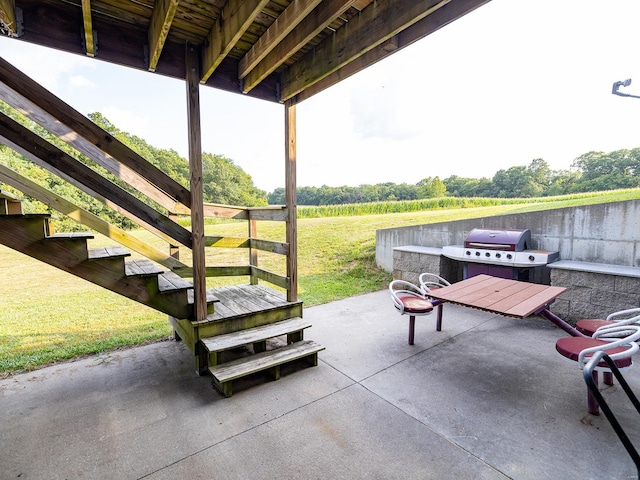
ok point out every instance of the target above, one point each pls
(625, 317)
(588, 378)
(616, 336)
(429, 281)
(400, 288)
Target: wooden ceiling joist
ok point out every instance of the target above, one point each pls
(287, 21)
(375, 25)
(267, 49)
(161, 19)
(325, 13)
(236, 17)
(89, 44)
(8, 24)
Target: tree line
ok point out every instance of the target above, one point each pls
(225, 182)
(593, 171)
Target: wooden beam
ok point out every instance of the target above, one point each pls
(8, 23)
(60, 204)
(376, 24)
(313, 24)
(236, 17)
(89, 46)
(287, 21)
(24, 86)
(195, 176)
(412, 34)
(271, 277)
(161, 19)
(274, 212)
(290, 198)
(49, 156)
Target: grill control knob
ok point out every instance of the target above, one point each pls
(498, 255)
(532, 258)
(477, 254)
(487, 254)
(468, 252)
(509, 256)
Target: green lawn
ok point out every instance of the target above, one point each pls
(47, 315)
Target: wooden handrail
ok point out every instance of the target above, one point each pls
(88, 134)
(60, 163)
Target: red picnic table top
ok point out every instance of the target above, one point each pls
(498, 295)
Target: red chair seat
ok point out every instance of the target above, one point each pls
(571, 347)
(588, 326)
(415, 304)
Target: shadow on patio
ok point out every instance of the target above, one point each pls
(488, 397)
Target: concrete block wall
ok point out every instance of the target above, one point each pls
(599, 248)
(410, 261)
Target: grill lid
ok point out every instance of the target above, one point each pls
(507, 240)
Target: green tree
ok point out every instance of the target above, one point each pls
(431, 187)
(225, 182)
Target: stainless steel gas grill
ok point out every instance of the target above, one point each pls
(499, 253)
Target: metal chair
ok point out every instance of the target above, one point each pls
(588, 326)
(588, 371)
(618, 341)
(410, 300)
(431, 281)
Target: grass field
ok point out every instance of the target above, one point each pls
(47, 315)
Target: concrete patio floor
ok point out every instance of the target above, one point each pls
(486, 398)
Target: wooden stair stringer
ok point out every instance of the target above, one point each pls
(108, 269)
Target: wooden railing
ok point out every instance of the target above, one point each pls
(39, 105)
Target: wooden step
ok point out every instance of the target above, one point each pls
(224, 374)
(70, 247)
(10, 204)
(71, 236)
(142, 268)
(169, 281)
(257, 336)
(107, 252)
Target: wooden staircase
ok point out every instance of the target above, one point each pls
(250, 316)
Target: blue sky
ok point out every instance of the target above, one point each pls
(508, 83)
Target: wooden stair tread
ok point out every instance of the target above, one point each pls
(241, 367)
(107, 252)
(170, 281)
(9, 196)
(252, 335)
(211, 298)
(141, 267)
(71, 236)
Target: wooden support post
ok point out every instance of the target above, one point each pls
(253, 252)
(290, 198)
(174, 250)
(195, 176)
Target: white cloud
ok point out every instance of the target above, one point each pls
(81, 81)
(126, 120)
